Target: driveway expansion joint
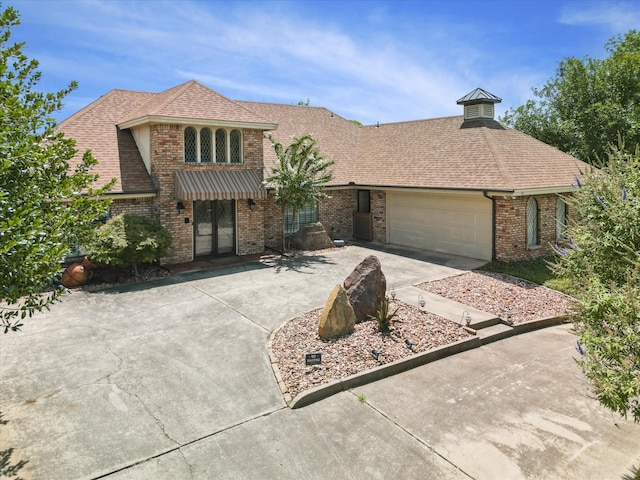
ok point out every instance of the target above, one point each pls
(417, 439)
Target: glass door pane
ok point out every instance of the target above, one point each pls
(203, 227)
(225, 224)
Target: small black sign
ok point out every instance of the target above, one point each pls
(313, 359)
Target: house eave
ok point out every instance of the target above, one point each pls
(151, 119)
(404, 188)
(522, 192)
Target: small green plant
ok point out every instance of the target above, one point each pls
(361, 398)
(382, 317)
(130, 240)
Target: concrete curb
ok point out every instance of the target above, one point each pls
(378, 373)
(323, 391)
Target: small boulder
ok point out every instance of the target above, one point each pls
(366, 287)
(311, 236)
(77, 274)
(338, 317)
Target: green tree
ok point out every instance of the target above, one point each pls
(299, 176)
(128, 241)
(603, 265)
(588, 104)
(45, 206)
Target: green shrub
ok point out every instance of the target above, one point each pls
(129, 240)
(602, 263)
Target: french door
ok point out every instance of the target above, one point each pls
(214, 227)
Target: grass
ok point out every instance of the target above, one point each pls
(536, 271)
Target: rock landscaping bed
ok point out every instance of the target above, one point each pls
(413, 331)
(499, 294)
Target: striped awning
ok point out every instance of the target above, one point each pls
(219, 185)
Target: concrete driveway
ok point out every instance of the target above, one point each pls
(171, 380)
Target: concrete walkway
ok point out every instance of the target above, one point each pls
(172, 380)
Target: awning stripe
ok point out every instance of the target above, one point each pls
(219, 185)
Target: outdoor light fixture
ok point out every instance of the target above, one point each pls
(180, 207)
(252, 203)
(393, 293)
(421, 301)
(466, 318)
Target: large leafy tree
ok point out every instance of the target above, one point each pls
(588, 104)
(299, 175)
(45, 206)
(603, 265)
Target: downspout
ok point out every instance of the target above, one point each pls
(493, 224)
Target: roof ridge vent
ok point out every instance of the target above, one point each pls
(478, 104)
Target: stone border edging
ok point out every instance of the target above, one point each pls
(378, 373)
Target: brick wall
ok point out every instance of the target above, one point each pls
(378, 200)
(143, 207)
(273, 223)
(336, 213)
(511, 228)
(167, 156)
(250, 227)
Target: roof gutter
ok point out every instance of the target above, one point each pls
(400, 188)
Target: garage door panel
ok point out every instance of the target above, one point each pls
(450, 224)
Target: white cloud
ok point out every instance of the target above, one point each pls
(379, 68)
(619, 16)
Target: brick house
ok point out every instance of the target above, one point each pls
(194, 160)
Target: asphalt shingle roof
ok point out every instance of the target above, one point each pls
(436, 153)
(95, 128)
(192, 100)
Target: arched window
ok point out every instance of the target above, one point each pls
(236, 146)
(190, 150)
(206, 150)
(532, 222)
(561, 218)
(203, 146)
(221, 146)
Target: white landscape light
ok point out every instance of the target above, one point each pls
(421, 301)
(507, 316)
(466, 318)
(393, 293)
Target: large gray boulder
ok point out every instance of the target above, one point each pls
(311, 236)
(366, 287)
(338, 317)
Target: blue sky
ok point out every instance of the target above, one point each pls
(367, 60)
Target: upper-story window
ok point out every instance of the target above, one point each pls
(206, 146)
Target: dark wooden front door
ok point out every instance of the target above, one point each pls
(362, 218)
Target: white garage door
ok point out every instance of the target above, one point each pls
(460, 225)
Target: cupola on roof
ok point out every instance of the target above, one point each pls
(478, 104)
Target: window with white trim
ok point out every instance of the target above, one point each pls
(532, 222)
(307, 214)
(203, 145)
(561, 219)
